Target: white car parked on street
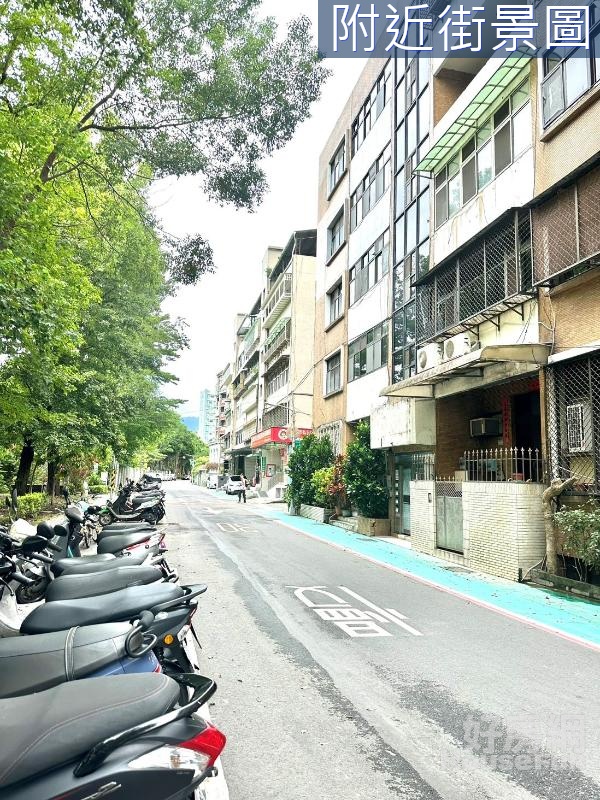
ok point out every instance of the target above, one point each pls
(234, 484)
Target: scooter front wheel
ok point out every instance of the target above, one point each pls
(105, 519)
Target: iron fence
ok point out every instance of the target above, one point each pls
(423, 466)
(573, 419)
(504, 464)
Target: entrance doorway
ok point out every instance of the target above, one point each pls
(402, 478)
(527, 427)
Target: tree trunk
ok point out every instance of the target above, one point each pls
(52, 470)
(25, 462)
(556, 488)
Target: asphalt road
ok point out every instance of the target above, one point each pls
(382, 688)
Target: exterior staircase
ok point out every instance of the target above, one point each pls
(347, 523)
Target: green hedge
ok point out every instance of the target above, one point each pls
(32, 504)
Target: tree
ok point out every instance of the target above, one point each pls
(549, 498)
(365, 475)
(312, 453)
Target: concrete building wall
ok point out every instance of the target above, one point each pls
(363, 394)
(570, 313)
(303, 341)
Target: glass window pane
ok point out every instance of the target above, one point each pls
(423, 258)
(400, 143)
(424, 114)
(521, 126)
(576, 78)
(400, 249)
(501, 114)
(409, 317)
(484, 166)
(484, 133)
(411, 130)
(411, 227)
(502, 148)
(400, 191)
(400, 106)
(423, 67)
(468, 149)
(453, 167)
(454, 195)
(520, 96)
(423, 216)
(441, 206)
(469, 179)
(552, 96)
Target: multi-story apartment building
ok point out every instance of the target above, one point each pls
(221, 442)
(207, 416)
(353, 279)
(286, 358)
(244, 390)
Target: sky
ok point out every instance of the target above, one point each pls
(239, 239)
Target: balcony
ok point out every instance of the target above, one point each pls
(278, 340)
(278, 300)
(239, 388)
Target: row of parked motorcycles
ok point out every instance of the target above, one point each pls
(100, 689)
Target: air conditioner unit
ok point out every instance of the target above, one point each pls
(429, 356)
(579, 428)
(460, 345)
(485, 426)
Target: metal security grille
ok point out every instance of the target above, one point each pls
(573, 418)
(566, 229)
(489, 277)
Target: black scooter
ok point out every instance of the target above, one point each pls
(117, 737)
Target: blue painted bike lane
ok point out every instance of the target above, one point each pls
(570, 618)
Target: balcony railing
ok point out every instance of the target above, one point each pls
(278, 339)
(279, 298)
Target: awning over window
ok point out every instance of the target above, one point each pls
(423, 384)
(465, 126)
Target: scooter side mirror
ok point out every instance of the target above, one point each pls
(60, 530)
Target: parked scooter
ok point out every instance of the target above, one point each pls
(151, 511)
(122, 736)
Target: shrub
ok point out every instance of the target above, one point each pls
(581, 529)
(321, 481)
(31, 504)
(365, 475)
(311, 454)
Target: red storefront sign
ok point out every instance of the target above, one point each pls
(276, 436)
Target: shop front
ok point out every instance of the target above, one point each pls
(271, 449)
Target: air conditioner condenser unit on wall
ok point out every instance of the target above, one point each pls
(485, 426)
(460, 345)
(429, 356)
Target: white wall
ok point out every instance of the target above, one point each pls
(371, 309)
(403, 422)
(372, 147)
(363, 394)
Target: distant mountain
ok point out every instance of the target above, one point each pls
(191, 423)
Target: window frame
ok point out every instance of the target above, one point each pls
(481, 144)
(340, 216)
(338, 290)
(364, 346)
(371, 188)
(337, 354)
(380, 249)
(333, 177)
(369, 113)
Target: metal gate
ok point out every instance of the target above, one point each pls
(449, 516)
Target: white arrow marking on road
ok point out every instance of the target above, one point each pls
(391, 614)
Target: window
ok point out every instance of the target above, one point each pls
(335, 235)
(337, 166)
(567, 79)
(371, 188)
(335, 302)
(372, 107)
(277, 380)
(498, 141)
(333, 374)
(368, 352)
(371, 268)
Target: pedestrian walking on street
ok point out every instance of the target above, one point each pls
(243, 489)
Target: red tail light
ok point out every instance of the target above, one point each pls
(211, 742)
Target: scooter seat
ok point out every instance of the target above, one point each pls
(70, 587)
(86, 565)
(34, 663)
(131, 529)
(114, 544)
(114, 607)
(46, 730)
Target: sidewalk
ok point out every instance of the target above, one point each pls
(571, 618)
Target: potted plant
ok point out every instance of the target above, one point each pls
(365, 478)
(337, 488)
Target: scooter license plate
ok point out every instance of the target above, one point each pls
(188, 646)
